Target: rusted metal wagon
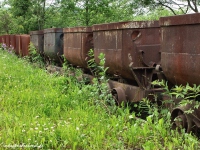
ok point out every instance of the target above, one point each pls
(53, 43)
(132, 50)
(77, 43)
(37, 38)
(180, 56)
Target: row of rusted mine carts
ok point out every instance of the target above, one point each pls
(136, 53)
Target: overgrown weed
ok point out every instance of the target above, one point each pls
(47, 111)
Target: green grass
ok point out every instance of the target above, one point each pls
(47, 111)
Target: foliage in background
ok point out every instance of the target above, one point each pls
(180, 6)
(22, 16)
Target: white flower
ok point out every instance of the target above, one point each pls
(77, 128)
(131, 117)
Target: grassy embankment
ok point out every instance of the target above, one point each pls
(41, 110)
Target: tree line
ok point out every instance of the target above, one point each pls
(22, 16)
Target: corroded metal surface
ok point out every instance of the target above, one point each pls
(126, 92)
(126, 25)
(7, 37)
(37, 38)
(1, 39)
(180, 118)
(117, 40)
(132, 93)
(18, 45)
(25, 41)
(181, 48)
(13, 41)
(53, 43)
(77, 42)
(180, 19)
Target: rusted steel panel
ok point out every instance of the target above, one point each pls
(18, 45)
(126, 25)
(181, 49)
(53, 43)
(12, 41)
(37, 38)
(25, 41)
(77, 42)
(7, 37)
(140, 39)
(180, 20)
(1, 39)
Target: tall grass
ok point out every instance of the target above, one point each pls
(47, 111)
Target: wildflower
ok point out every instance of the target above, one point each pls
(77, 128)
(131, 117)
(82, 135)
(36, 128)
(3, 46)
(23, 130)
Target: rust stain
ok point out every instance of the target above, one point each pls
(77, 43)
(117, 40)
(180, 50)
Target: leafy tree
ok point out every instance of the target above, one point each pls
(30, 14)
(184, 6)
(89, 12)
(5, 21)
